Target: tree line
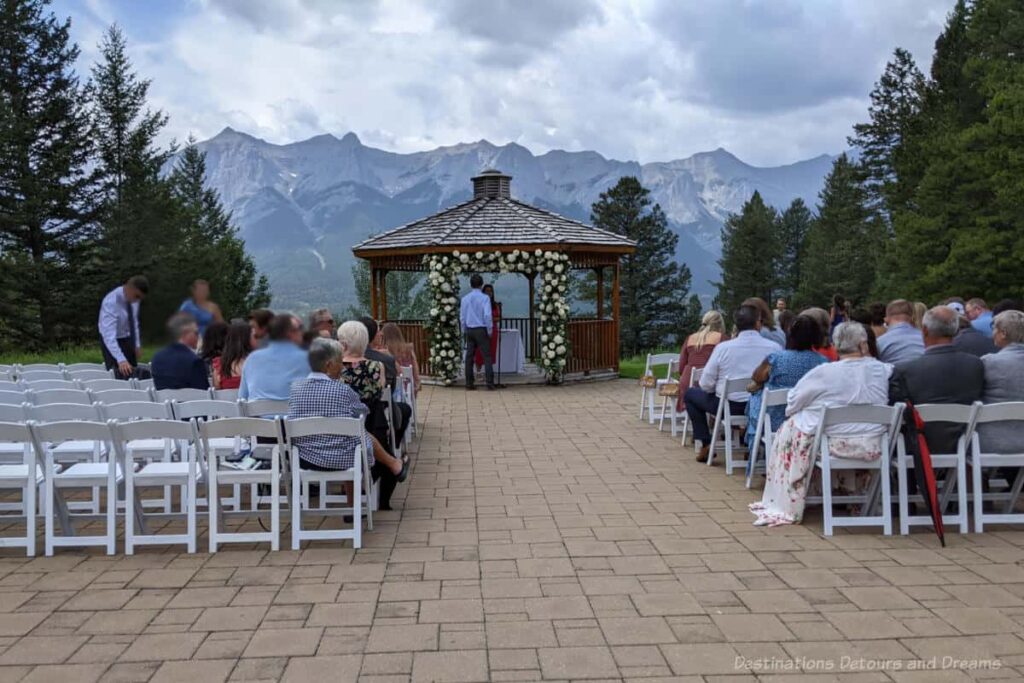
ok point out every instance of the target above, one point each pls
(88, 197)
(930, 205)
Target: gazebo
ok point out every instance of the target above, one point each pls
(493, 232)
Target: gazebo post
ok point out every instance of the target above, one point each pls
(373, 291)
(383, 295)
(615, 311)
(533, 322)
(600, 292)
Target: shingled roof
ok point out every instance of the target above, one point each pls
(493, 219)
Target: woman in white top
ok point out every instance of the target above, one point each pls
(855, 380)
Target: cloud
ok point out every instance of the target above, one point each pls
(773, 81)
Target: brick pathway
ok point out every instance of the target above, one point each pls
(555, 537)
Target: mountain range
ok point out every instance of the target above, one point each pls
(301, 206)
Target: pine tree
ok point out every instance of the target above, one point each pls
(408, 299)
(690, 321)
(46, 192)
(844, 241)
(653, 286)
(793, 225)
(750, 255)
(210, 246)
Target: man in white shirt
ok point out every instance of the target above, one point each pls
(475, 316)
(733, 359)
(121, 341)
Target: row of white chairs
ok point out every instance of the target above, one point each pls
(38, 371)
(130, 463)
(109, 394)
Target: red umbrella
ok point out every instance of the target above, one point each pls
(917, 446)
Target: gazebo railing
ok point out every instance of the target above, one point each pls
(593, 342)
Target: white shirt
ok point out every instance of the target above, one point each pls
(736, 359)
(854, 381)
(113, 322)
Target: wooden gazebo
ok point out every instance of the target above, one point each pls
(493, 221)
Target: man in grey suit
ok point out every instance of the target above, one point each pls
(940, 375)
(1004, 381)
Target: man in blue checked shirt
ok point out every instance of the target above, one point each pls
(322, 394)
(475, 316)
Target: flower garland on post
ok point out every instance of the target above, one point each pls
(553, 307)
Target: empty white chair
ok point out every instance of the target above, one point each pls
(105, 384)
(668, 403)
(185, 474)
(13, 398)
(321, 426)
(106, 475)
(73, 450)
(763, 433)
(24, 475)
(979, 459)
(78, 367)
(225, 395)
(693, 382)
(59, 396)
(231, 428)
(151, 449)
(124, 395)
(48, 384)
(83, 375)
(182, 395)
(955, 465)
(36, 375)
(728, 424)
(648, 393)
(889, 418)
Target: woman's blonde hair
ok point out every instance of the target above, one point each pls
(391, 335)
(919, 310)
(354, 337)
(711, 322)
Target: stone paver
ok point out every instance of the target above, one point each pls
(545, 534)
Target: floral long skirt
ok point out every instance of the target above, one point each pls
(786, 480)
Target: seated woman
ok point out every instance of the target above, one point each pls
(782, 370)
(321, 395)
(697, 350)
(856, 379)
(366, 377)
(768, 328)
(227, 368)
(403, 353)
(824, 346)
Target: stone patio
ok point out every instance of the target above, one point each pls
(553, 537)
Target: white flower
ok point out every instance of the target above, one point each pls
(451, 354)
(446, 287)
(559, 268)
(558, 339)
(464, 258)
(538, 253)
(448, 309)
(479, 254)
(560, 350)
(433, 312)
(561, 288)
(561, 362)
(455, 253)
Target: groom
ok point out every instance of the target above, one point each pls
(475, 316)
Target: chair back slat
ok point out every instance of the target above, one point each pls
(36, 375)
(122, 395)
(59, 432)
(62, 412)
(775, 397)
(143, 383)
(84, 375)
(1001, 412)
(734, 386)
(264, 406)
(225, 395)
(48, 384)
(136, 410)
(155, 429)
(182, 394)
(229, 427)
(208, 409)
(947, 412)
(334, 426)
(13, 398)
(78, 367)
(105, 384)
(9, 413)
(10, 385)
(859, 414)
(14, 432)
(60, 396)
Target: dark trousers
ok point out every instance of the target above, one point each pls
(477, 338)
(127, 346)
(699, 405)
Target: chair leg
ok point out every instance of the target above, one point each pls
(661, 418)
(650, 406)
(901, 493)
(296, 503)
(979, 505)
(826, 495)
(29, 498)
(129, 511)
(275, 501)
(961, 493)
(643, 401)
(212, 503)
(111, 513)
(48, 508)
(1014, 494)
(886, 497)
(190, 525)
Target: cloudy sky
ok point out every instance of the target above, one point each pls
(773, 81)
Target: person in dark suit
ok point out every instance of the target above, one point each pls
(969, 340)
(941, 375)
(177, 366)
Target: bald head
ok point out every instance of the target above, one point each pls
(940, 325)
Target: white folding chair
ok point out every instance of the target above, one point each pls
(153, 450)
(358, 475)
(48, 384)
(185, 474)
(648, 393)
(264, 407)
(90, 375)
(41, 398)
(212, 409)
(728, 424)
(106, 385)
(182, 395)
(73, 450)
(23, 474)
(409, 391)
(230, 428)
(143, 383)
(989, 414)
(885, 416)
(955, 465)
(79, 367)
(225, 395)
(673, 369)
(13, 452)
(105, 475)
(123, 395)
(38, 375)
(763, 433)
(14, 398)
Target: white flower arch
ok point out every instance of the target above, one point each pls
(443, 280)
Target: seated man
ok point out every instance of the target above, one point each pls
(177, 366)
(1004, 382)
(970, 340)
(269, 372)
(901, 341)
(321, 394)
(733, 359)
(942, 374)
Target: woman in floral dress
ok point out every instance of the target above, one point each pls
(856, 379)
(366, 377)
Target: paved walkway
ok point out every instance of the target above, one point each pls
(554, 536)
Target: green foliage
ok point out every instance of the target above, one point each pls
(792, 228)
(408, 298)
(844, 242)
(653, 286)
(751, 249)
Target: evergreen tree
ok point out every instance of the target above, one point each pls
(408, 299)
(210, 247)
(793, 225)
(750, 255)
(844, 241)
(691, 318)
(653, 286)
(46, 193)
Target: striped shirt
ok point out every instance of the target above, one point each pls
(320, 396)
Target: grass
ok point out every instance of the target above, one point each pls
(633, 368)
(71, 354)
